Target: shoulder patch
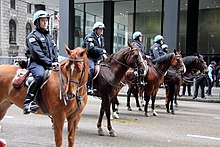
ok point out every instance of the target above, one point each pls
(90, 39)
(42, 39)
(155, 48)
(32, 39)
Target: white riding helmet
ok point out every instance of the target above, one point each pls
(157, 38)
(136, 34)
(40, 14)
(164, 46)
(98, 25)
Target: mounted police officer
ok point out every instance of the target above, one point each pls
(137, 41)
(96, 50)
(156, 50)
(42, 55)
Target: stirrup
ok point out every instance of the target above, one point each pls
(31, 107)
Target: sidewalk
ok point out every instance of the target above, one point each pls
(215, 98)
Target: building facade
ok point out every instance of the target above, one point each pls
(16, 23)
(187, 25)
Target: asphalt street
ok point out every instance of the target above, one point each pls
(195, 124)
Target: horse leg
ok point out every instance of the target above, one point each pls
(140, 93)
(115, 113)
(152, 106)
(99, 123)
(167, 100)
(128, 98)
(72, 126)
(175, 100)
(4, 105)
(135, 93)
(171, 106)
(58, 123)
(147, 99)
(109, 126)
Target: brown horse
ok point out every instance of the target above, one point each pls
(73, 73)
(174, 80)
(108, 80)
(155, 77)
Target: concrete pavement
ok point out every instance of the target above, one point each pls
(215, 98)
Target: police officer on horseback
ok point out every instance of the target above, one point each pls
(137, 41)
(96, 50)
(156, 49)
(42, 56)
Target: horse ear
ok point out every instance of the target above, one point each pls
(83, 52)
(67, 49)
(130, 45)
(174, 51)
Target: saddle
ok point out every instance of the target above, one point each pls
(24, 78)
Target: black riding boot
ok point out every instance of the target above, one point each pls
(29, 104)
(89, 85)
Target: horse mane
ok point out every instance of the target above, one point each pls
(188, 60)
(163, 58)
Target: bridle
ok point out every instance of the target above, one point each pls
(64, 95)
(125, 65)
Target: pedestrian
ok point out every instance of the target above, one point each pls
(211, 77)
(200, 81)
(42, 56)
(137, 41)
(156, 50)
(217, 71)
(96, 50)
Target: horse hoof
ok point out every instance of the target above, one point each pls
(155, 113)
(168, 111)
(172, 112)
(129, 109)
(100, 132)
(115, 115)
(139, 109)
(146, 114)
(112, 134)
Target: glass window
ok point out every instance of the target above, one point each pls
(94, 13)
(12, 32)
(123, 24)
(28, 28)
(28, 8)
(209, 30)
(78, 32)
(182, 26)
(148, 20)
(12, 4)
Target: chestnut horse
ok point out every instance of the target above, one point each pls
(155, 77)
(107, 82)
(69, 105)
(174, 80)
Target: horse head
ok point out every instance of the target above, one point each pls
(75, 70)
(200, 64)
(177, 62)
(133, 57)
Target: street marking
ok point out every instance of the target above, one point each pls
(9, 116)
(205, 137)
(217, 117)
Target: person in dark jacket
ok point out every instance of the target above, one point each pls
(211, 77)
(42, 55)
(156, 50)
(137, 41)
(200, 81)
(96, 50)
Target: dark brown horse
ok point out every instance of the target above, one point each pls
(155, 77)
(108, 80)
(74, 73)
(174, 80)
